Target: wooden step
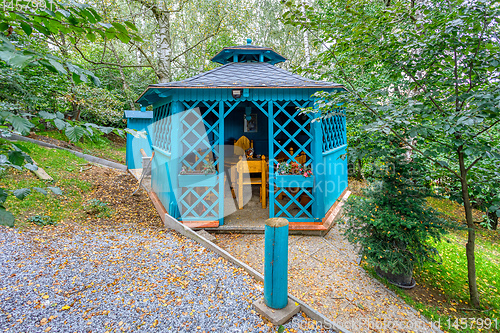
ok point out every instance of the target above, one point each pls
(306, 226)
(201, 224)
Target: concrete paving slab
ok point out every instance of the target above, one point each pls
(277, 317)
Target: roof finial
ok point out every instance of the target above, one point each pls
(249, 41)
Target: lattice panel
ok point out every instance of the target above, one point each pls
(294, 203)
(334, 131)
(290, 124)
(199, 142)
(162, 127)
(199, 203)
(291, 128)
(200, 135)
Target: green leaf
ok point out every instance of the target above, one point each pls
(18, 60)
(16, 157)
(31, 167)
(58, 66)
(3, 195)
(75, 133)
(106, 130)
(22, 193)
(46, 115)
(120, 27)
(124, 38)
(4, 26)
(41, 28)
(6, 218)
(40, 190)
(131, 25)
(55, 190)
(281, 329)
(91, 36)
(20, 124)
(59, 115)
(64, 12)
(60, 124)
(26, 28)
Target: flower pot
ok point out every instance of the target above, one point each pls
(405, 281)
(197, 180)
(294, 181)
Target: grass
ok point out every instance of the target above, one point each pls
(98, 146)
(448, 281)
(62, 166)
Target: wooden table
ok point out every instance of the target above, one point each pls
(251, 165)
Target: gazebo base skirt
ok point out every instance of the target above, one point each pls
(295, 228)
(302, 228)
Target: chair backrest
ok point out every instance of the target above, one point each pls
(254, 166)
(243, 143)
(301, 159)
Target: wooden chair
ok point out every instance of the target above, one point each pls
(243, 143)
(301, 159)
(252, 167)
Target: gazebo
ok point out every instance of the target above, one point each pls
(197, 121)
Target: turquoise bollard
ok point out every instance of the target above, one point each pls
(276, 263)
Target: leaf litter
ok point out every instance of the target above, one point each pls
(121, 273)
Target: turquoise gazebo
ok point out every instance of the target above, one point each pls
(195, 120)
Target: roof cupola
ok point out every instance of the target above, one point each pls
(248, 53)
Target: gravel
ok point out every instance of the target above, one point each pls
(101, 280)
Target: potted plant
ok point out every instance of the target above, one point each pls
(293, 174)
(205, 177)
(393, 224)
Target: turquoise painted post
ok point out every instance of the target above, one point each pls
(320, 170)
(276, 263)
(174, 161)
(271, 157)
(222, 138)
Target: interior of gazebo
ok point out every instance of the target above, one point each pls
(246, 160)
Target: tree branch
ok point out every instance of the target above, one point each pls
(473, 163)
(108, 63)
(198, 43)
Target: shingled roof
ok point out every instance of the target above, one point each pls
(247, 75)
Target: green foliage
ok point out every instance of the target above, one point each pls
(392, 223)
(74, 20)
(99, 208)
(41, 220)
(100, 105)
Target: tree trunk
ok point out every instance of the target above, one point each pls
(164, 47)
(307, 49)
(360, 168)
(494, 219)
(469, 247)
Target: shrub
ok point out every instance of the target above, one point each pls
(98, 208)
(41, 220)
(392, 223)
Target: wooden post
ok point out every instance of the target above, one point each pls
(276, 263)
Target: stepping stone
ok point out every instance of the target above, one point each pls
(206, 235)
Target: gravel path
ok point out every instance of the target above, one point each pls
(78, 279)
